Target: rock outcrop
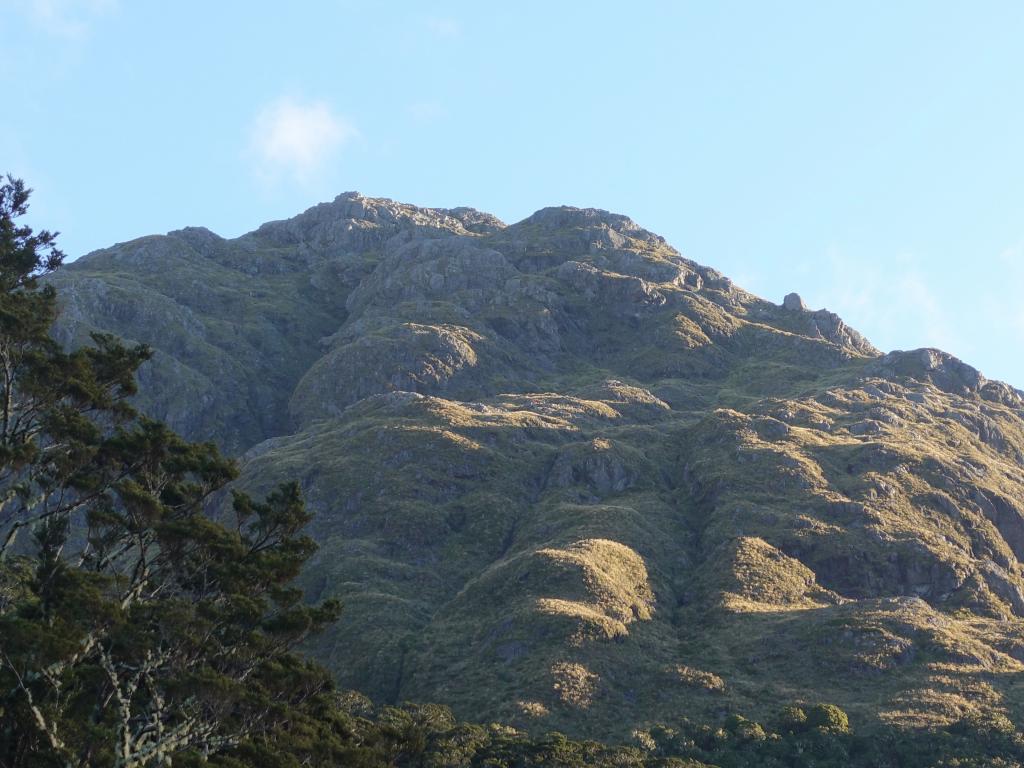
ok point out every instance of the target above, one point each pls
(794, 303)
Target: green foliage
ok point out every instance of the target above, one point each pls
(822, 738)
(335, 733)
(792, 720)
(829, 717)
(133, 626)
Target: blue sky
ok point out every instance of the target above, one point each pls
(868, 155)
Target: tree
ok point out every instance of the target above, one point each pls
(134, 624)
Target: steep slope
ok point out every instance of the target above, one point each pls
(567, 478)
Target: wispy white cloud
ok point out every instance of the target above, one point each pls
(1015, 321)
(919, 299)
(444, 27)
(896, 303)
(297, 139)
(71, 19)
(1005, 307)
(969, 306)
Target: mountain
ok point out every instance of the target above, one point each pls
(566, 478)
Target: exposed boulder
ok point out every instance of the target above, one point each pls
(771, 429)
(865, 427)
(794, 303)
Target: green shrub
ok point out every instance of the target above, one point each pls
(792, 720)
(828, 716)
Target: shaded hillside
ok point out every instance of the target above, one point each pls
(566, 478)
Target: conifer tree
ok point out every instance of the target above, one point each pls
(135, 626)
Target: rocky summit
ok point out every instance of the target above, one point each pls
(565, 478)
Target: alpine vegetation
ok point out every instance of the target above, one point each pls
(585, 501)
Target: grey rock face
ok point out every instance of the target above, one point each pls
(1006, 516)
(931, 365)
(611, 228)
(426, 270)
(597, 465)
(1002, 584)
(427, 359)
(828, 325)
(611, 289)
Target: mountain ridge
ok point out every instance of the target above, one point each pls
(567, 478)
